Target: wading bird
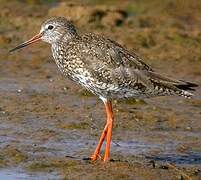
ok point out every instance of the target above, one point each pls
(105, 68)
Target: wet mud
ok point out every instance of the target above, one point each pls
(49, 126)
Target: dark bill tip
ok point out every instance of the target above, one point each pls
(18, 47)
(31, 41)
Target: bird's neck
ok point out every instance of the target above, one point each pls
(64, 40)
(67, 37)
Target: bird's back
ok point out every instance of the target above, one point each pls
(110, 71)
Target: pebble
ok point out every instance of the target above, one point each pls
(19, 90)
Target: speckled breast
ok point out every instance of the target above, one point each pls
(71, 65)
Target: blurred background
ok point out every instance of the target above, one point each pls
(167, 31)
(48, 124)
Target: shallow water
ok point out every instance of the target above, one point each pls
(21, 175)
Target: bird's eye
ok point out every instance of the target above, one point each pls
(50, 27)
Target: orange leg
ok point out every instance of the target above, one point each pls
(98, 147)
(107, 131)
(110, 119)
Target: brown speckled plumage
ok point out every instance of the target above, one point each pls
(105, 68)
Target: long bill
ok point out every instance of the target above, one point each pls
(26, 43)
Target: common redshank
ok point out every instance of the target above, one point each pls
(105, 68)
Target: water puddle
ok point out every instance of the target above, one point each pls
(79, 147)
(21, 175)
(164, 152)
(190, 158)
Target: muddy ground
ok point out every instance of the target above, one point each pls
(49, 126)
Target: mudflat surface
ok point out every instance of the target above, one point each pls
(49, 126)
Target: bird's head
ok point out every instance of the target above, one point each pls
(52, 31)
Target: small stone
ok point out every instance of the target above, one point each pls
(19, 90)
(188, 128)
(65, 88)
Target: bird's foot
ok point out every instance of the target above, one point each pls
(106, 158)
(94, 157)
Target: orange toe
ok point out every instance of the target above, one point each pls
(94, 157)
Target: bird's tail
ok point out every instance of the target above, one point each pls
(171, 86)
(184, 87)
